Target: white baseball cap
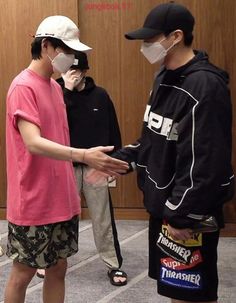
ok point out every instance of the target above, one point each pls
(62, 28)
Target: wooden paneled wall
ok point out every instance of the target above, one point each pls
(115, 63)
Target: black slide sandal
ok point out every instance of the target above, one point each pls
(117, 273)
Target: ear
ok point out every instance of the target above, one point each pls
(178, 36)
(44, 44)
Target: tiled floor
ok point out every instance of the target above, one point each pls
(87, 281)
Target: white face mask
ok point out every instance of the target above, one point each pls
(154, 52)
(62, 62)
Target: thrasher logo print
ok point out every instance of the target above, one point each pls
(191, 280)
(176, 251)
(180, 268)
(181, 251)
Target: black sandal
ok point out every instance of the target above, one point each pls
(117, 273)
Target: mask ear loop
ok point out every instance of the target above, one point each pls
(46, 46)
(163, 39)
(173, 42)
(163, 46)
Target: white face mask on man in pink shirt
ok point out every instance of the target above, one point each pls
(62, 62)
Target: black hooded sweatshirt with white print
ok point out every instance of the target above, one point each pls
(183, 157)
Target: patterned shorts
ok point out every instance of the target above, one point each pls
(41, 246)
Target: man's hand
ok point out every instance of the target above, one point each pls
(95, 157)
(72, 78)
(180, 234)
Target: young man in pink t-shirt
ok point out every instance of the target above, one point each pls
(42, 200)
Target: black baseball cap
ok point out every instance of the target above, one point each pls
(165, 17)
(81, 61)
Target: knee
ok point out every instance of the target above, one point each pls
(21, 279)
(57, 271)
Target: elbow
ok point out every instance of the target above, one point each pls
(32, 149)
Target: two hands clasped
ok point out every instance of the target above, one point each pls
(103, 167)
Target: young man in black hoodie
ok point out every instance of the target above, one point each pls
(92, 122)
(183, 157)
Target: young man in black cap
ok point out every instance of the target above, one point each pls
(92, 122)
(183, 157)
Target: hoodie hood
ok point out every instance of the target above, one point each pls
(89, 84)
(199, 63)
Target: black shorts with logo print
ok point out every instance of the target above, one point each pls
(42, 245)
(184, 270)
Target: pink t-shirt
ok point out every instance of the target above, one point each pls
(40, 190)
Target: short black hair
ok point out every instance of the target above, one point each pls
(188, 37)
(36, 46)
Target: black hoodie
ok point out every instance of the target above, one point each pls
(183, 157)
(91, 116)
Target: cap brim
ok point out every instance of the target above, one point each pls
(143, 34)
(80, 68)
(77, 45)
